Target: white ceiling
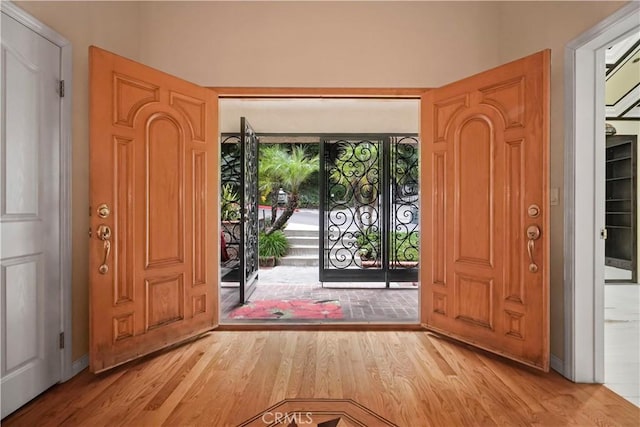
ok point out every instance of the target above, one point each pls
(321, 115)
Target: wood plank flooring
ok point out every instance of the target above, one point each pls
(410, 378)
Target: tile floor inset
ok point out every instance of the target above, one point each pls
(622, 340)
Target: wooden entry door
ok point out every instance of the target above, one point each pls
(485, 256)
(155, 239)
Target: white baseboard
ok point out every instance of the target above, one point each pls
(79, 364)
(557, 364)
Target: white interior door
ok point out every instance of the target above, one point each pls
(29, 215)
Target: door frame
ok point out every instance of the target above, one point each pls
(584, 194)
(69, 368)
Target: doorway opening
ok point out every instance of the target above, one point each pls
(621, 290)
(337, 180)
(585, 194)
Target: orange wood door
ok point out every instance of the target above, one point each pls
(485, 172)
(154, 255)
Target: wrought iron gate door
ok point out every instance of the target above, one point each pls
(249, 218)
(369, 209)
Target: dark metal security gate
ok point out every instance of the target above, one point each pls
(249, 236)
(369, 196)
(239, 209)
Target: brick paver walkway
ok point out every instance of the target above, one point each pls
(358, 305)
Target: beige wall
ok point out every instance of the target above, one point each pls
(383, 44)
(113, 26)
(352, 44)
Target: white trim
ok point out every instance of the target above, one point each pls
(584, 194)
(80, 364)
(66, 64)
(556, 363)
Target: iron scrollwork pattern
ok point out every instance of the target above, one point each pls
(250, 208)
(405, 199)
(231, 167)
(352, 217)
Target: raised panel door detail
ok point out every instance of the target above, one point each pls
(514, 239)
(474, 146)
(514, 324)
(20, 164)
(123, 327)
(130, 95)
(508, 98)
(474, 300)
(199, 304)
(199, 184)
(22, 285)
(194, 110)
(440, 303)
(164, 301)
(440, 219)
(444, 111)
(123, 282)
(165, 192)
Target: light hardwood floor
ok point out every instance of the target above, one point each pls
(410, 378)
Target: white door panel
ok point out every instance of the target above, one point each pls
(29, 215)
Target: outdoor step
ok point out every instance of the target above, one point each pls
(300, 233)
(306, 250)
(303, 241)
(299, 261)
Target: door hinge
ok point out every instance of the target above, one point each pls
(61, 339)
(603, 234)
(61, 88)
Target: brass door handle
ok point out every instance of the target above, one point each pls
(104, 233)
(104, 268)
(533, 234)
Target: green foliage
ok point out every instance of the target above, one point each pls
(309, 200)
(230, 210)
(357, 170)
(291, 170)
(404, 246)
(272, 245)
(369, 244)
(271, 159)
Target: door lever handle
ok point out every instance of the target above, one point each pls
(104, 233)
(533, 234)
(104, 268)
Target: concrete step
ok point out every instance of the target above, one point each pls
(299, 260)
(306, 250)
(300, 233)
(303, 241)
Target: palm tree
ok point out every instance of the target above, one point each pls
(272, 157)
(292, 170)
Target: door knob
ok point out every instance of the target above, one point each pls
(103, 232)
